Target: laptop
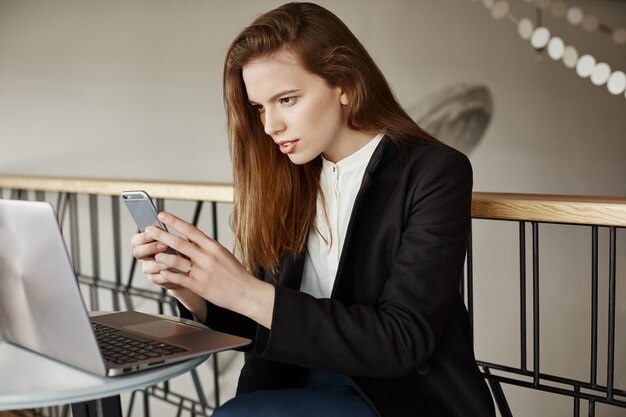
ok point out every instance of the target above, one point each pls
(42, 309)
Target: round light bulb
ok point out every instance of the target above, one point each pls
(600, 74)
(585, 66)
(525, 28)
(575, 16)
(570, 57)
(617, 83)
(540, 38)
(556, 48)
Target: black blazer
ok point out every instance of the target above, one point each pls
(395, 324)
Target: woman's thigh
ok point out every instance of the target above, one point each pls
(321, 398)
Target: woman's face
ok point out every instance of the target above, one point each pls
(302, 114)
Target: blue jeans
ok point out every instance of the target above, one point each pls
(322, 394)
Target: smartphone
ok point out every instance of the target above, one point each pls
(143, 211)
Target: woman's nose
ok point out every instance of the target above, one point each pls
(272, 123)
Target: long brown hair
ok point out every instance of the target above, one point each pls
(274, 202)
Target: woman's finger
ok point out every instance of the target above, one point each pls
(159, 280)
(147, 251)
(177, 243)
(187, 229)
(140, 239)
(174, 261)
(152, 267)
(180, 279)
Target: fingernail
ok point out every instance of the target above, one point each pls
(161, 246)
(162, 216)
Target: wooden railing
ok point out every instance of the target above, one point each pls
(529, 211)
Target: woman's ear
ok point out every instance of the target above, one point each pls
(343, 98)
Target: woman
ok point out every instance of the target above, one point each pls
(352, 225)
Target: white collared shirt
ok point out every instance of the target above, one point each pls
(340, 184)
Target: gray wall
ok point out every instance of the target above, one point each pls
(132, 89)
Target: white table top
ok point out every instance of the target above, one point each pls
(29, 380)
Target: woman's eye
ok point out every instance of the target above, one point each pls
(288, 101)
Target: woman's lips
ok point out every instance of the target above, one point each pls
(288, 146)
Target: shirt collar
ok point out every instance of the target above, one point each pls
(358, 159)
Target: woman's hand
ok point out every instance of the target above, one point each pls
(144, 249)
(208, 269)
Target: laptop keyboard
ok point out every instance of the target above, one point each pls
(121, 348)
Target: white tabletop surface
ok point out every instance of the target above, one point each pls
(29, 380)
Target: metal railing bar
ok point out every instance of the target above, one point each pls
(612, 285)
(62, 208)
(214, 219)
(577, 402)
(160, 206)
(146, 404)
(129, 283)
(117, 248)
(178, 400)
(196, 213)
(555, 390)
(522, 296)
(594, 306)
(498, 395)
(111, 286)
(40, 195)
(199, 390)
(95, 251)
(74, 237)
(536, 334)
(549, 377)
(216, 380)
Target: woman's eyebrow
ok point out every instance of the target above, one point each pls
(275, 96)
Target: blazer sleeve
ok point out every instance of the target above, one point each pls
(400, 332)
(223, 320)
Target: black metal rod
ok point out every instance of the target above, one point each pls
(536, 344)
(160, 206)
(594, 306)
(196, 213)
(577, 402)
(592, 408)
(552, 378)
(95, 251)
(216, 372)
(498, 395)
(117, 248)
(199, 390)
(63, 204)
(146, 404)
(522, 295)
(214, 219)
(612, 284)
(74, 236)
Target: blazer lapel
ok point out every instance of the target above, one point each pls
(379, 156)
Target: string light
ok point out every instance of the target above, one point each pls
(540, 38)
